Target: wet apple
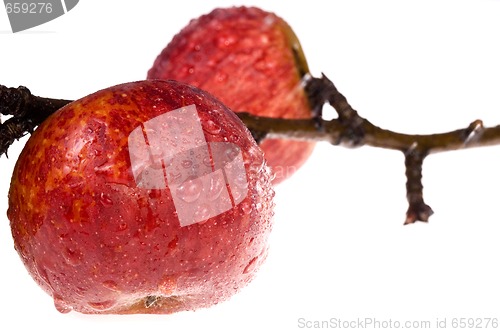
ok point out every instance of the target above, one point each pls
(252, 61)
(146, 197)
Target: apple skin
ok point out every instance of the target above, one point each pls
(252, 61)
(99, 243)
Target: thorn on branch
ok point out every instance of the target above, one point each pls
(473, 132)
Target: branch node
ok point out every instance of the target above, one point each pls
(411, 149)
(322, 90)
(353, 135)
(13, 101)
(418, 212)
(473, 132)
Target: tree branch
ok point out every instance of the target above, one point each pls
(417, 209)
(26, 111)
(349, 129)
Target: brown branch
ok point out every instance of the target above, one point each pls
(348, 129)
(417, 209)
(335, 132)
(27, 112)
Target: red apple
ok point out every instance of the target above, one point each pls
(252, 61)
(146, 197)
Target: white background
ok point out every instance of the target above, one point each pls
(339, 249)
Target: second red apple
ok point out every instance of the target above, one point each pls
(252, 61)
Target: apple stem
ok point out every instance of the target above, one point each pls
(25, 111)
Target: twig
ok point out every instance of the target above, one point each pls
(27, 113)
(349, 129)
(417, 209)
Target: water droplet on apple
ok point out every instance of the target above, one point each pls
(257, 159)
(246, 208)
(202, 212)
(167, 285)
(241, 181)
(226, 40)
(187, 163)
(81, 291)
(154, 193)
(44, 276)
(105, 200)
(173, 243)
(258, 207)
(73, 256)
(61, 305)
(207, 161)
(174, 177)
(232, 152)
(237, 195)
(251, 265)
(102, 305)
(216, 186)
(110, 284)
(212, 128)
(123, 226)
(235, 138)
(190, 190)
